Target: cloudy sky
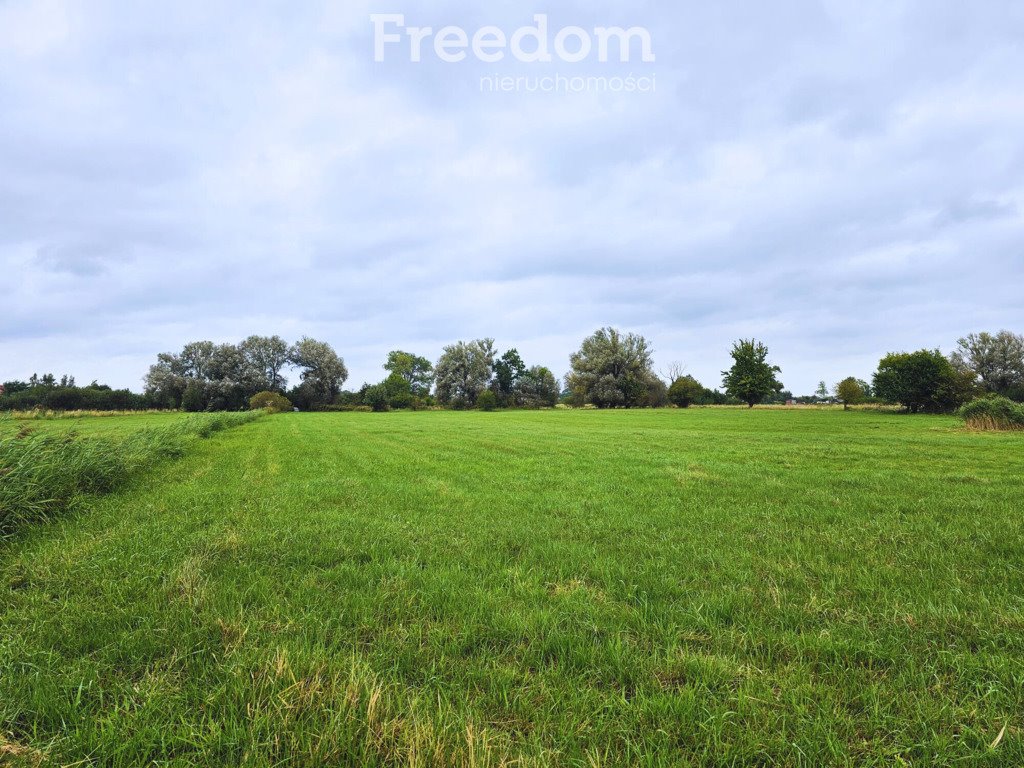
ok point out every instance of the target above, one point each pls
(838, 179)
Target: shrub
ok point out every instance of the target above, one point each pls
(657, 393)
(685, 391)
(487, 401)
(714, 397)
(377, 398)
(274, 402)
(994, 413)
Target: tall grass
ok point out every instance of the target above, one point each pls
(43, 474)
(993, 413)
(48, 414)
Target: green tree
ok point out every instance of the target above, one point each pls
(399, 391)
(463, 371)
(508, 370)
(194, 398)
(537, 388)
(416, 370)
(850, 392)
(685, 391)
(196, 360)
(323, 371)
(376, 396)
(657, 392)
(922, 381)
(265, 357)
(221, 372)
(487, 401)
(997, 360)
(751, 378)
(822, 392)
(166, 380)
(612, 369)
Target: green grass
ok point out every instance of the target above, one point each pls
(557, 588)
(89, 424)
(47, 472)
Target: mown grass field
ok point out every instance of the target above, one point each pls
(559, 588)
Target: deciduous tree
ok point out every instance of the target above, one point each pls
(508, 370)
(537, 388)
(751, 378)
(612, 370)
(463, 371)
(997, 360)
(850, 392)
(922, 381)
(416, 370)
(323, 371)
(266, 357)
(685, 391)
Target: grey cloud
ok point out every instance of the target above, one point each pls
(966, 210)
(83, 259)
(816, 174)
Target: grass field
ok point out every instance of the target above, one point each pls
(552, 588)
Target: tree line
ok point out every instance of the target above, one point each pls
(611, 369)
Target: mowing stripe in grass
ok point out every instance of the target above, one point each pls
(555, 589)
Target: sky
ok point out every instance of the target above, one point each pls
(837, 179)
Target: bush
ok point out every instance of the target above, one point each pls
(993, 413)
(274, 402)
(657, 393)
(685, 391)
(377, 398)
(487, 401)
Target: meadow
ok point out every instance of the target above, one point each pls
(571, 588)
